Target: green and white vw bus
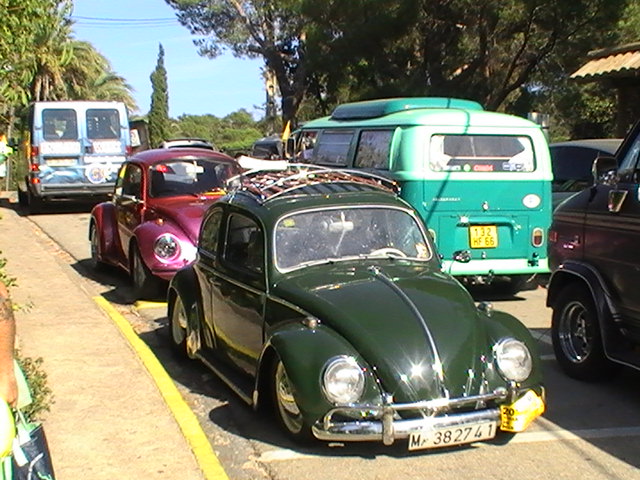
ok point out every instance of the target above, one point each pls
(481, 180)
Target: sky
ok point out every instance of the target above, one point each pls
(128, 34)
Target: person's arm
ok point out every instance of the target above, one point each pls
(8, 386)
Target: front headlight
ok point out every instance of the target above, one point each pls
(513, 359)
(343, 380)
(166, 247)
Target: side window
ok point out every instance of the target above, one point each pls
(374, 149)
(244, 247)
(630, 160)
(332, 148)
(210, 232)
(132, 181)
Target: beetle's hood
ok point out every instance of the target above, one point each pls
(186, 213)
(390, 316)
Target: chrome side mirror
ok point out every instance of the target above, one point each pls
(604, 170)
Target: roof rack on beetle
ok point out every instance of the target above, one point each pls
(305, 179)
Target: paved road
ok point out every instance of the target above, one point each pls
(590, 431)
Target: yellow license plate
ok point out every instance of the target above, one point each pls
(518, 415)
(483, 236)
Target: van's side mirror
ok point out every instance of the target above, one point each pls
(604, 170)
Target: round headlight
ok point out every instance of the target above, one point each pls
(513, 359)
(343, 380)
(166, 247)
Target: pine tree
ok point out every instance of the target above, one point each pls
(159, 112)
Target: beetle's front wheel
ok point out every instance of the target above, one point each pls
(286, 408)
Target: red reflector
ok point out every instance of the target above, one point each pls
(35, 150)
(129, 150)
(553, 236)
(35, 180)
(34, 167)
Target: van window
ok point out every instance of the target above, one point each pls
(103, 123)
(59, 124)
(333, 148)
(481, 153)
(373, 149)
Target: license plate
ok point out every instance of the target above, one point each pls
(483, 236)
(61, 162)
(449, 436)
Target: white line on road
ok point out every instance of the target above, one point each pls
(554, 435)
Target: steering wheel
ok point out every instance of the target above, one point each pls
(390, 251)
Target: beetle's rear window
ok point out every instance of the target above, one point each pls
(344, 233)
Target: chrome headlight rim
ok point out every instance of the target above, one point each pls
(166, 247)
(343, 380)
(513, 359)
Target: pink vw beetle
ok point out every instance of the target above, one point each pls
(150, 226)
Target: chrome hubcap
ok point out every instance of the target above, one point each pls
(575, 332)
(289, 411)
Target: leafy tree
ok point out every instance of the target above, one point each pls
(232, 134)
(487, 51)
(90, 76)
(271, 29)
(159, 112)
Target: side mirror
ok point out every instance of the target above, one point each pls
(604, 170)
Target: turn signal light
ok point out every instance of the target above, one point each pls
(537, 237)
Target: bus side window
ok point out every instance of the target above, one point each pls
(374, 149)
(332, 148)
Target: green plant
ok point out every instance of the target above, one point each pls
(41, 394)
(4, 278)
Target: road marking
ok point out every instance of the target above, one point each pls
(191, 429)
(586, 434)
(141, 304)
(542, 337)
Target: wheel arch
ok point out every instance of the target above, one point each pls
(585, 274)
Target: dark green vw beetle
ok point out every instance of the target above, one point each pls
(320, 293)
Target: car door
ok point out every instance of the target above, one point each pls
(237, 293)
(129, 205)
(612, 233)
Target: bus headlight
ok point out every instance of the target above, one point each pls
(513, 359)
(343, 380)
(166, 247)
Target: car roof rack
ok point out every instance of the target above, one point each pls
(306, 179)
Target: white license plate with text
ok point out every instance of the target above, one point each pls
(448, 436)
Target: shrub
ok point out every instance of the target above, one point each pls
(41, 394)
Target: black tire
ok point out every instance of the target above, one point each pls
(23, 200)
(179, 328)
(94, 239)
(576, 335)
(145, 285)
(285, 407)
(34, 203)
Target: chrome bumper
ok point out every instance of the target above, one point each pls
(384, 427)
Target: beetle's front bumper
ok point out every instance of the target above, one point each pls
(383, 423)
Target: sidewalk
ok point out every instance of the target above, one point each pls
(109, 419)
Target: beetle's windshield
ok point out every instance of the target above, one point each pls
(188, 177)
(340, 233)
